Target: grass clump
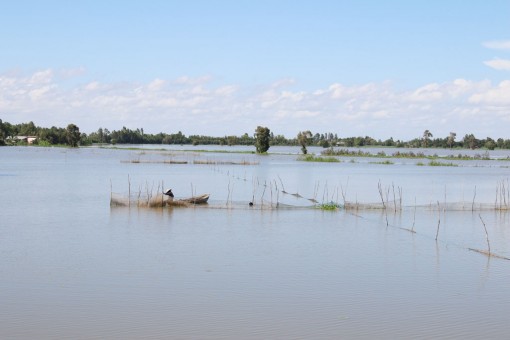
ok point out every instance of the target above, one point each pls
(436, 163)
(329, 206)
(386, 162)
(409, 154)
(346, 152)
(312, 158)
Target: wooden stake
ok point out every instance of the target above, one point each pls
(486, 235)
(414, 217)
(473, 204)
(439, 219)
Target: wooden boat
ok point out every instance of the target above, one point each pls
(195, 199)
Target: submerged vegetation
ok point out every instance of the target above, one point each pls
(329, 206)
(436, 163)
(386, 162)
(197, 162)
(312, 158)
(398, 154)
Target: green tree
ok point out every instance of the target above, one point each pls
(490, 143)
(389, 142)
(470, 141)
(500, 143)
(27, 129)
(426, 137)
(73, 135)
(325, 143)
(262, 138)
(303, 138)
(451, 139)
(246, 139)
(2, 133)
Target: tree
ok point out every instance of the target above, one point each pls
(73, 135)
(426, 137)
(2, 133)
(325, 143)
(490, 143)
(303, 138)
(28, 129)
(262, 138)
(389, 142)
(470, 141)
(451, 139)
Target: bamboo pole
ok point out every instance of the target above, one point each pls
(486, 235)
(439, 219)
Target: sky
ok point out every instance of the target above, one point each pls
(379, 68)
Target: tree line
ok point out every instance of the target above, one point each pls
(70, 135)
(262, 138)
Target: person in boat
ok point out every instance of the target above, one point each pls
(194, 199)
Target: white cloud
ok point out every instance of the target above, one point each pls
(39, 92)
(381, 114)
(305, 113)
(339, 91)
(195, 105)
(156, 85)
(72, 72)
(226, 90)
(282, 83)
(293, 96)
(92, 86)
(494, 96)
(461, 87)
(41, 77)
(185, 80)
(498, 64)
(427, 93)
(498, 44)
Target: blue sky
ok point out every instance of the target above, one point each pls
(378, 68)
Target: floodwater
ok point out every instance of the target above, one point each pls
(72, 266)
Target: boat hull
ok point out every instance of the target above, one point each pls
(202, 199)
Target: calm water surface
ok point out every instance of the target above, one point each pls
(74, 267)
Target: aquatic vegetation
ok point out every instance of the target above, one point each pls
(169, 161)
(386, 162)
(233, 151)
(128, 148)
(196, 162)
(436, 163)
(409, 154)
(312, 158)
(346, 152)
(213, 162)
(329, 206)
